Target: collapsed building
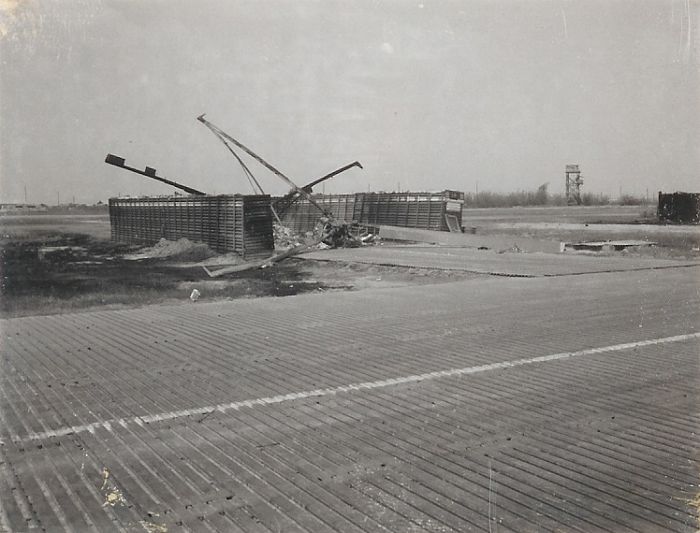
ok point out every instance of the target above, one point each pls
(681, 207)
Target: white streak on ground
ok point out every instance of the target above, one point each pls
(368, 385)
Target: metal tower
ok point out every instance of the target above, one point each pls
(574, 180)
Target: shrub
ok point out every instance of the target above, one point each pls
(539, 197)
(628, 199)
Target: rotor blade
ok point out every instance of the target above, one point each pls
(247, 171)
(260, 160)
(309, 186)
(117, 161)
(285, 202)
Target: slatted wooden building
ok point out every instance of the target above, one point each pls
(227, 223)
(438, 211)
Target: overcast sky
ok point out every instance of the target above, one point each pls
(426, 95)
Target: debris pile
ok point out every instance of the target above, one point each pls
(328, 233)
(336, 234)
(285, 238)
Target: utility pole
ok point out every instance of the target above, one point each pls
(25, 194)
(58, 197)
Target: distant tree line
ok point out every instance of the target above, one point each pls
(542, 197)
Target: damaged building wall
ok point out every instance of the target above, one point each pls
(302, 216)
(226, 223)
(682, 207)
(441, 211)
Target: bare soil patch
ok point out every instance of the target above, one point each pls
(48, 271)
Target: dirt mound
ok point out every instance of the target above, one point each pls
(182, 249)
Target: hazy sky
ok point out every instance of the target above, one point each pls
(428, 95)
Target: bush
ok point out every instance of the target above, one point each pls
(594, 199)
(628, 199)
(528, 198)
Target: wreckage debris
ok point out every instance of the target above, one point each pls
(262, 263)
(150, 172)
(336, 234)
(328, 233)
(280, 205)
(285, 238)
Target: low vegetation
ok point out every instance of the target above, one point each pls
(542, 197)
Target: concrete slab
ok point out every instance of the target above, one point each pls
(490, 262)
(494, 242)
(646, 229)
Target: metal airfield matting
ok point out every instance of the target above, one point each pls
(491, 262)
(227, 223)
(497, 404)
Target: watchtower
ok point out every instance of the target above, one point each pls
(574, 180)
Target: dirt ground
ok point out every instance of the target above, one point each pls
(681, 242)
(46, 269)
(596, 223)
(54, 264)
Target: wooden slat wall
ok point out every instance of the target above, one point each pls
(256, 230)
(411, 210)
(301, 216)
(227, 223)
